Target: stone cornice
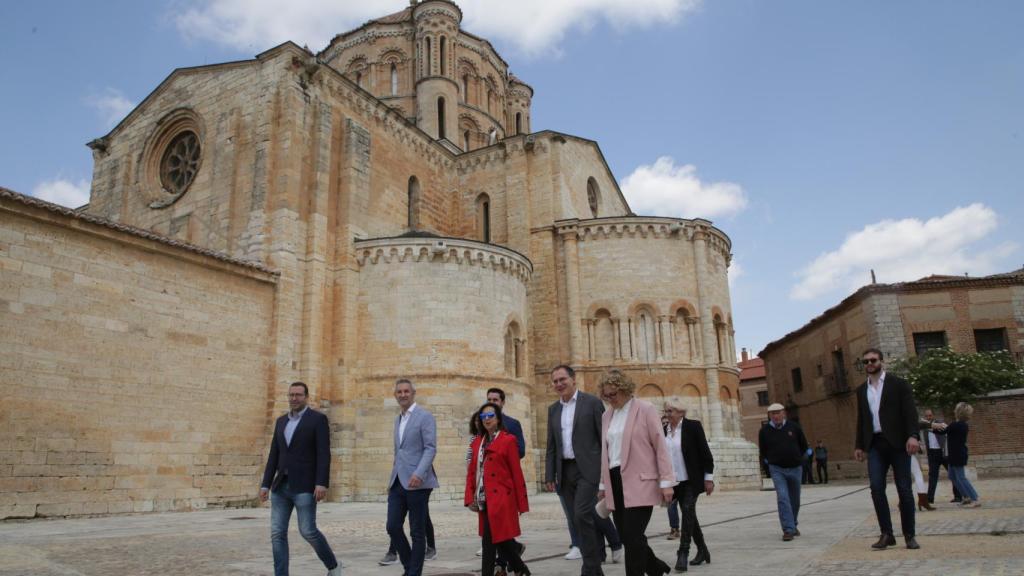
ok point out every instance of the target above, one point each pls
(368, 36)
(647, 227)
(443, 250)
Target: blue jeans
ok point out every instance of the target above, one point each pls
(787, 494)
(881, 456)
(673, 514)
(959, 477)
(282, 501)
(402, 502)
(567, 508)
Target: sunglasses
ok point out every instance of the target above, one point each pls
(487, 415)
(871, 360)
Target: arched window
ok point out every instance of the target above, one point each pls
(483, 217)
(429, 56)
(440, 117)
(490, 96)
(414, 203)
(645, 326)
(519, 122)
(604, 334)
(465, 88)
(443, 50)
(465, 140)
(593, 192)
(394, 79)
(719, 335)
(513, 351)
(359, 79)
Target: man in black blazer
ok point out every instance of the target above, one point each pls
(887, 432)
(573, 463)
(296, 477)
(694, 466)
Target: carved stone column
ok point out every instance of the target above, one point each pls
(591, 344)
(708, 332)
(572, 289)
(693, 340)
(662, 332)
(616, 338)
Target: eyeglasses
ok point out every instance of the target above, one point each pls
(487, 415)
(871, 360)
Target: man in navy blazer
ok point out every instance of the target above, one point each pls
(412, 477)
(296, 477)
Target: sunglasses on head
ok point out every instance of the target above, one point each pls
(487, 415)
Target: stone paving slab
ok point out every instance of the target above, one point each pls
(741, 527)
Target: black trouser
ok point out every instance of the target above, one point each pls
(509, 550)
(808, 474)
(581, 496)
(430, 535)
(936, 460)
(822, 466)
(689, 525)
(632, 526)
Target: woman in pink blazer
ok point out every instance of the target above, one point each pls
(636, 469)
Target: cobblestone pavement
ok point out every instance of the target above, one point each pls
(741, 527)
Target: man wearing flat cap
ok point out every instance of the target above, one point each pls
(783, 448)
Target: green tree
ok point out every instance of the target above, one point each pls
(942, 377)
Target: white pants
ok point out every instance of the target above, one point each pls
(920, 486)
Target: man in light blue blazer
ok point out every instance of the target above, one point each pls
(412, 477)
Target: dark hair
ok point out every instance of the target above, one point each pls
(568, 370)
(497, 414)
(875, 350)
(474, 424)
(303, 384)
(498, 391)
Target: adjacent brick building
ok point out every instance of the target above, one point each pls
(815, 369)
(380, 209)
(753, 395)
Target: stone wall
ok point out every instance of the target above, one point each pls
(134, 371)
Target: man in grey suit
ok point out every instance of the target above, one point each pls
(573, 463)
(412, 477)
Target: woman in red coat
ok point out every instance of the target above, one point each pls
(496, 490)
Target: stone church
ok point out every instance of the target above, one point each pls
(380, 209)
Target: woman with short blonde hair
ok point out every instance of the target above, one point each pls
(956, 445)
(636, 469)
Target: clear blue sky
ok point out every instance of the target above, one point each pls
(826, 138)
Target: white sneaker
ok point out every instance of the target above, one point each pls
(617, 554)
(336, 571)
(430, 554)
(480, 552)
(574, 554)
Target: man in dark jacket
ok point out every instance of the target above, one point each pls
(296, 477)
(887, 433)
(783, 449)
(694, 467)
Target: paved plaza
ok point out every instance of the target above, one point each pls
(741, 528)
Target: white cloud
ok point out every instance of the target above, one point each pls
(735, 271)
(64, 192)
(530, 26)
(664, 189)
(112, 106)
(903, 250)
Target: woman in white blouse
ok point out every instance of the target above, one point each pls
(636, 469)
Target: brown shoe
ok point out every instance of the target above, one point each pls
(884, 541)
(674, 534)
(796, 532)
(787, 536)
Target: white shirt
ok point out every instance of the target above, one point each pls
(292, 424)
(568, 416)
(933, 441)
(403, 421)
(616, 428)
(674, 443)
(875, 399)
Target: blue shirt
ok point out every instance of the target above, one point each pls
(293, 423)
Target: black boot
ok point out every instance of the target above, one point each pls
(681, 557)
(702, 556)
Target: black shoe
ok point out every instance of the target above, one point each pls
(796, 532)
(681, 560)
(701, 557)
(884, 541)
(912, 543)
